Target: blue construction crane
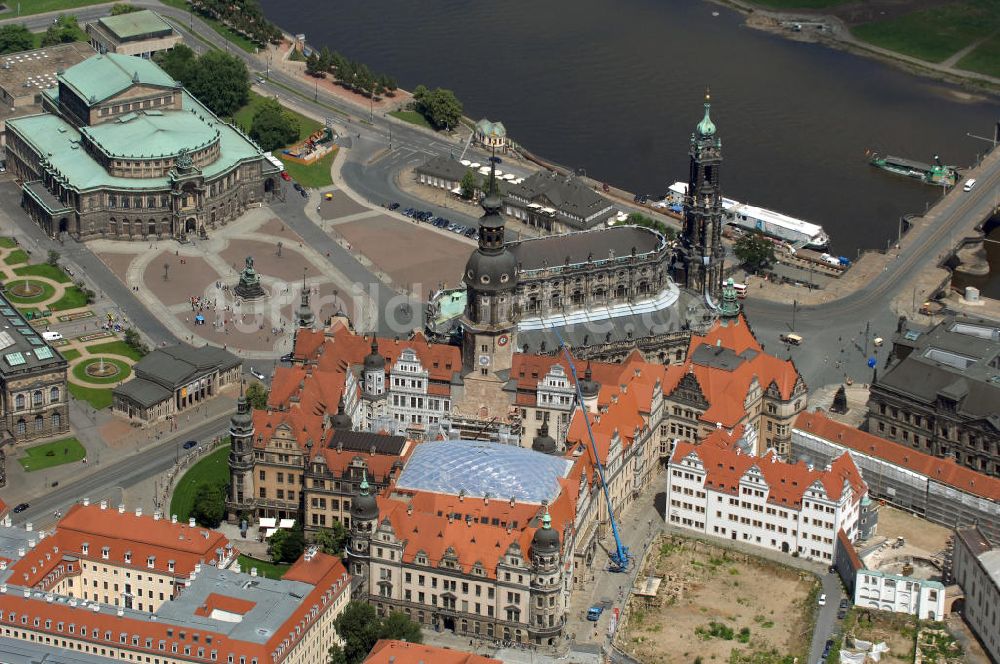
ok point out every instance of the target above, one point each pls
(620, 557)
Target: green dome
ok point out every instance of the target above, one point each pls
(706, 127)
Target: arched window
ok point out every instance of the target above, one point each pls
(19, 402)
(39, 423)
(53, 394)
(36, 398)
(643, 287)
(620, 290)
(56, 421)
(577, 297)
(22, 427)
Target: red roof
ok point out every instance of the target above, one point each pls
(403, 652)
(224, 603)
(943, 470)
(787, 482)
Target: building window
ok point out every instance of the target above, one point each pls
(19, 402)
(53, 395)
(56, 421)
(36, 398)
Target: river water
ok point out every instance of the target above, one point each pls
(616, 87)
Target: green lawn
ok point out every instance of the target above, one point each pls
(115, 348)
(225, 32)
(7, 242)
(16, 257)
(934, 34)
(315, 176)
(412, 117)
(56, 453)
(70, 354)
(41, 6)
(99, 398)
(124, 371)
(213, 469)
(244, 117)
(264, 568)
(43, 270)
(800, 4)
(47, 291)
(985, 58)
(73, 298)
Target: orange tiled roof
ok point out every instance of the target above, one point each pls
(224, 603)
(943, 470)
(402, 652)
(787, 482)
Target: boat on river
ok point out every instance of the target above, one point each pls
(936, 173)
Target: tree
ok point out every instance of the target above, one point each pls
(469, 184)
(256, 395)
(754, 250)
(53, 257)
(272, 127)
(839, 401)
(639, 219)
(63, 31)
(178, 62)
(336, 655)
(14, 38)
(441, 107)
(285, 546)
(399, 627)
(332, 540)
(312, 64)
(359, 626)
(209, 505)
(134, 341)
(220, 81)
(120, 8)
(325, 60)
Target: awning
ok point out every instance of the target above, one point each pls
(269, 532)
(286, 523)
(267, 522)
(457, 191)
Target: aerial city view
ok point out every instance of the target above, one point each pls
(536, 332)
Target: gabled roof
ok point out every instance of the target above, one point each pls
(787, 482)
(943, 470)
(386, 651)
(103, 76)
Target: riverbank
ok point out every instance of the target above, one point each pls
(824, 27)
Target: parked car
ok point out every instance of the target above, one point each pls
(469, 232)
(822, 599)
(845, 603)
(594, 613)
(305, 194)
(298, 187)
(20, 507)
(287, 357)
(52, 336)
(256, 374)
(285, 176)
(191, 443)
(394, 206)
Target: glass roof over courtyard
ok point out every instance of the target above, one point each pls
(482, 468)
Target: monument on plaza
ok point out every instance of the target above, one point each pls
(249, 287)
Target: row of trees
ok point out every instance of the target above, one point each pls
(351, 74)
(220, 81)
(440, 107)
(243, 16)
(15, 38)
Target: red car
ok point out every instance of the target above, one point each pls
(286, 176)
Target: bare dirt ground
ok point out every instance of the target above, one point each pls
(895, 629)
(917, 532)
(708, 590)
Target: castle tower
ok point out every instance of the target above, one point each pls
(543, 442)
(701, 238)
(546, 615)
(590, 389)
(730, 305)
(241, 490)
(374, 394)
(490, 319)
(364, 522)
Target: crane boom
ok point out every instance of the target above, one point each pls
(620, 557)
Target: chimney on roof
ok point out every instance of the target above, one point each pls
(409, 509)
(461, 496)
(512, 501)
(29, 526)
(86, 501)
(104, 505)
(451, 517)
(253, 571)
(809, 466)
(173, 518)
(373, 450)
(191, 522)
(157, 515)
(121, 508)
(138, 511)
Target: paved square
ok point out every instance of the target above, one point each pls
(342, 205)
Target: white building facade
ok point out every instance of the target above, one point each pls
(922, 598)
(762, 501)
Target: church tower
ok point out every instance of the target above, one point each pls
(701, 240)
(241, 491)
(490, 320)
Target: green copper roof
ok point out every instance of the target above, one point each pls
(154, 133)
(97, 78)
(135, 24)
(706, 127)
(59, 143)
(730, 306)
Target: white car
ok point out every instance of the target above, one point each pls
(256, 374)
(822, 599)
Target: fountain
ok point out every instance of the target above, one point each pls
(25, 289)
(249, 287)
(101, 369)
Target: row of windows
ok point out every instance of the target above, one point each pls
(37, 398)
(21, 426)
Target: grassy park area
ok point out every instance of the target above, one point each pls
(244, 117)
(41, 6)
(43, 270)
(114, 348)
(97, 397)
(124, 371)
(16, 257)
(412, 117)
(212, 469)
(264, 568)
(224, 31)
(70, 354)
(44, 291)
(315, 175)
(55, 453)
(985, 58)
(73, 298)
(7, 243)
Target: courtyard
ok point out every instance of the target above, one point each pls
(715, 604)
